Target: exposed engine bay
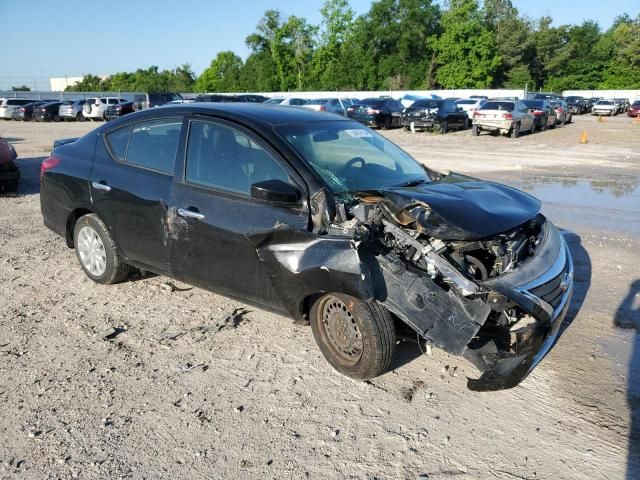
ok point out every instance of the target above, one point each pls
(451, 285)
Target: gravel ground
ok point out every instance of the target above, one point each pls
(155, 379)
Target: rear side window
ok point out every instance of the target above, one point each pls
(152, 144)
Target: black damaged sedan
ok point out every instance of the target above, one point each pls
(321, 219)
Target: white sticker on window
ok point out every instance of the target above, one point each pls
(358, 133)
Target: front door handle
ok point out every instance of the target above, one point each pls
(185, 212)
(101, 186)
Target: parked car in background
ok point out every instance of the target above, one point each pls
(285, 101)
(563, 113)
(504, 117)
(47, 112)
(443, 115)
(95, 110)
(142, 101)
(9, 172)
(622, 103)
(605, 107)
(319, 218)
(216, 98)
(634, 109)
(117, 111)
(331, 105)
(25, 112)
(377, 112)
(470, 105)
(479, 97)
(545, 96)
(8, 105)
(251, 98)
(72, 110)
(544, 114)
(577, 105)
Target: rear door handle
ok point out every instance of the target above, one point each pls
(184, 212)
(101, 186)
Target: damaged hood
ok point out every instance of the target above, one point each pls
(458, 207)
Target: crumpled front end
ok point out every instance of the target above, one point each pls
(540, 291)
(472, 267)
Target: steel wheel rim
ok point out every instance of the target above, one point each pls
(339, 327)
(91, 251)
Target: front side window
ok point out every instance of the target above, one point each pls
(225, 158)
(352, 158)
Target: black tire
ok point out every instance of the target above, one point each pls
(444, 126)
(373, 322)
(475, 131)
(116, 270)
(515, 130)
(80, 117)
(386, 125)
(465, 124)
(56, 118)
(543, 126)
(570, 119)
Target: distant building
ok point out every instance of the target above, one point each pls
(59, 84)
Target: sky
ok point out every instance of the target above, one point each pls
(55, 38)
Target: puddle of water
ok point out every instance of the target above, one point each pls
(612, 204)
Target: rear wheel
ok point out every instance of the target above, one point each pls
(357, 338)
(80, 117)
(475, 131)
(444, 126)
(97, 251)
(543, 125)
(515, 130)
(386, 125)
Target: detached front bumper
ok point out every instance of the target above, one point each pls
(543, 288)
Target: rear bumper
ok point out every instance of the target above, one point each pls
(492, 126)
(6, 112)
(368, 120)
(418, 122)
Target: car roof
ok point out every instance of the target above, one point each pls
(251, 113)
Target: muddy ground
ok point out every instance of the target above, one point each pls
(155, 379)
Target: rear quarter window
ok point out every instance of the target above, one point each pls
(153, 144)
(117, 142)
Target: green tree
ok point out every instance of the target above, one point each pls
(513, 39)
(89, 83)
(223, 75)
(467, 53)
(623, 69)
(21, 88)
(329, 70)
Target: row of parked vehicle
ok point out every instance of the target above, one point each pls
(80, 110)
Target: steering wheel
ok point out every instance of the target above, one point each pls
(350, 164)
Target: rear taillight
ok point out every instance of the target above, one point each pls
(476, 114)
(560, 109)
(350, 109)
(22, 109)
(372, 111)
(323, 108)
(538, 112)
(48, 164)
(507, 116)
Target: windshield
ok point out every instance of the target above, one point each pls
(467, 102)
(352, 158)
(273, 101)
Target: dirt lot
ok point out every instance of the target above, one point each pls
(154, 379)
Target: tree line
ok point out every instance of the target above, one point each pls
(412, 45)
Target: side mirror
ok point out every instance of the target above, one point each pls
(275, 191)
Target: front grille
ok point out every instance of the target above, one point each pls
(552, 291)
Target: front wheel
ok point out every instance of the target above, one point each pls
(97, 251)
(444, 126)
(357, 338)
